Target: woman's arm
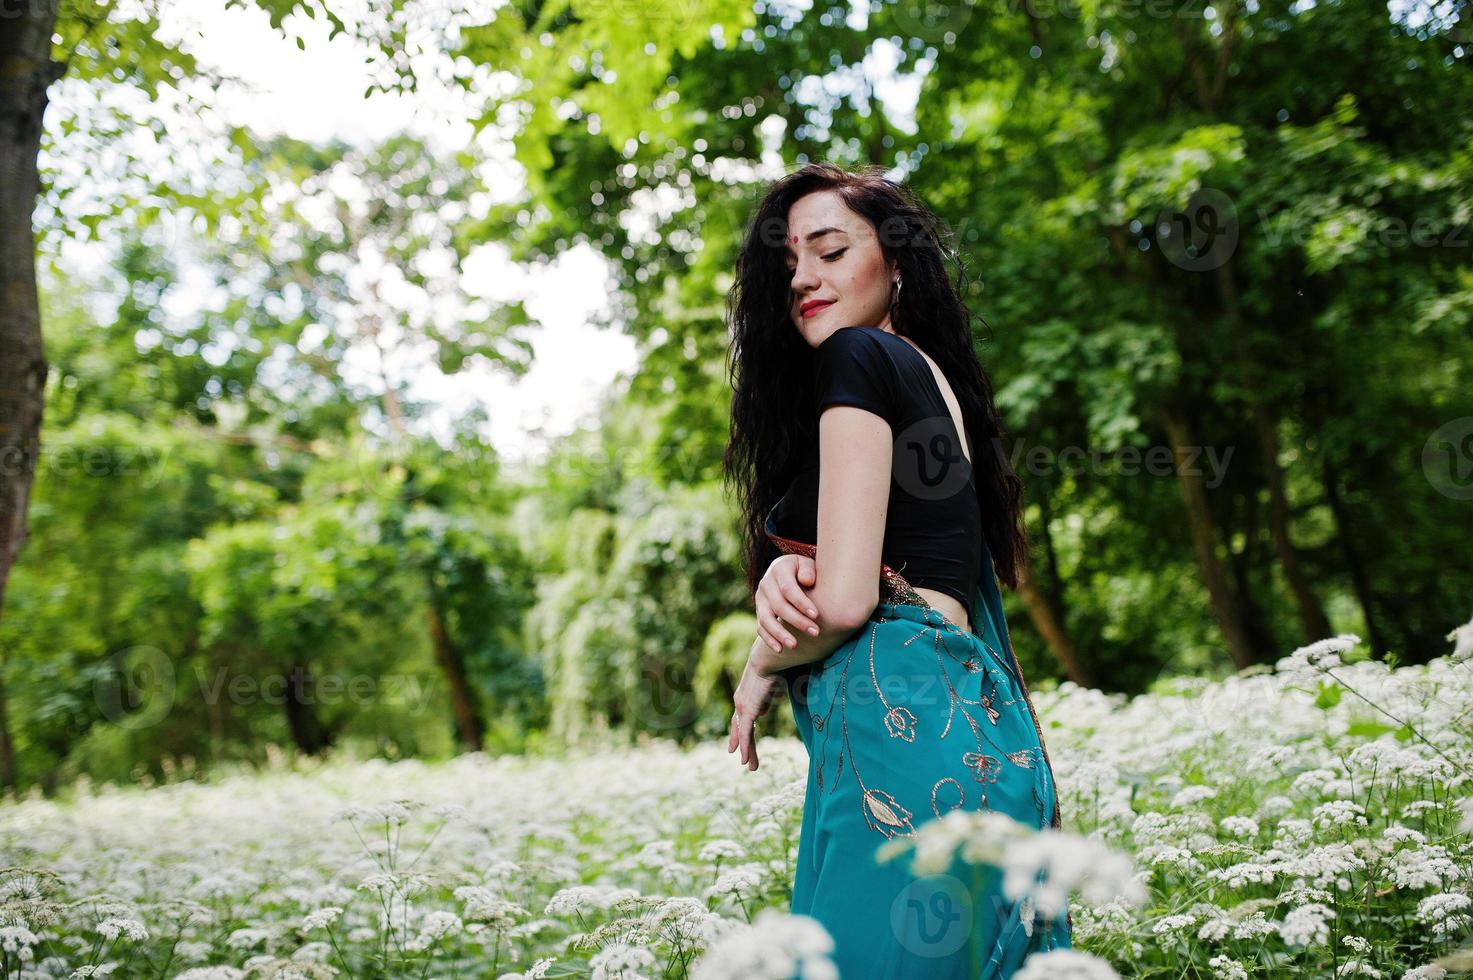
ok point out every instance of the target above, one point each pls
(854, 454)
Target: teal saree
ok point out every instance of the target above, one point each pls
(911, 718)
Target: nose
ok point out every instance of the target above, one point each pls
(805, 278)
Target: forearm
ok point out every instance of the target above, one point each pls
(767, 662)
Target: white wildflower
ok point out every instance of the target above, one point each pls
(246, 938)
(1313, 780)
(1192, 794)
(1417, 808)
(1244, 873)
(720, 849)
(484, 905)
(1227, 968)
(1293, 830)
(1065, 964)
(741, 880)
(685, 920)
(621, 961)
(1308, 925)
(319, 918)
(1252, 926)
(1275, 806)
(435, 925)
(1339, 813)
(1462, 638)
(1240, 827)
(116, 925)
(1397, 834)
(576, 898)
(18, 940)
(1322, 655)
(1446, 913)
(1465, 822)
(1328, 865)
(1429, 972)
(774, 947)
(1427, 866)
(1168, 928)
(536, 971)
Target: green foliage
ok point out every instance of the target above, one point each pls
(289, 520)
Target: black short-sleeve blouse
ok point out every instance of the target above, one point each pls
(933, 525)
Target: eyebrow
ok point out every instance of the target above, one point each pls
(816, 234)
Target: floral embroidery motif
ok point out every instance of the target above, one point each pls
(901, 724)
(984, 767)
(884, 814)
(1022, 757)
(961, 795)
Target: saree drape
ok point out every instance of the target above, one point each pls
(908, 719)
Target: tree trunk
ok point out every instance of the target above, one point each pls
(1260, 633)
(1204, 541)
(467, 720)
(306, 728)
(1313, 624)
(7, 747)
(26, 72)
(1046, 536)
(1360, 581)
(1051, 627)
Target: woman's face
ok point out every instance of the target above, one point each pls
(835, 258)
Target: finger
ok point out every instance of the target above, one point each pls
(752, 745)
(796, 609)
(766, 615)
(807, 570)
(776, 627)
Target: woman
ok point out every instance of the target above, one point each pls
(859, 404)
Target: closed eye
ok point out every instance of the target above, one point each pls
(831, 257)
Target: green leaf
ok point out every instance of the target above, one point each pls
(1329, 696)
(1365, 728)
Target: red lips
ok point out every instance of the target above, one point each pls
(814, 304)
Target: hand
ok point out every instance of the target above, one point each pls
(752, 699)
(781, 601)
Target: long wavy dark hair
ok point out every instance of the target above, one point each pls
(774, 430)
